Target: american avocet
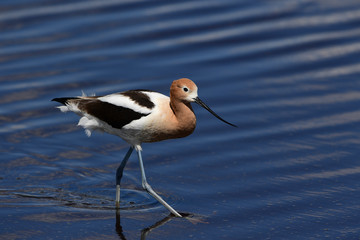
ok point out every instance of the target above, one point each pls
(140, 116)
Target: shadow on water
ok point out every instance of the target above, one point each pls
(144, 232)
(89, 203)
(84, 201)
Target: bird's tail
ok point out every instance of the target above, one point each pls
(63, 100)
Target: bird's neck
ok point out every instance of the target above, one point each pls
(184, 115)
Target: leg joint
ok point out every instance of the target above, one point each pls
(147, 187)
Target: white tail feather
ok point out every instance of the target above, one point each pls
(63, 108)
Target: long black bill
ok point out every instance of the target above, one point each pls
(201, 103)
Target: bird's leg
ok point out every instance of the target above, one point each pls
(119, 174)
(149, 189)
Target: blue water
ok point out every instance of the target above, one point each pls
(286, 72)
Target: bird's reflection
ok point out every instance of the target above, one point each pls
(147, 230)
(118, 227)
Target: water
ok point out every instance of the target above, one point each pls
(286, 72)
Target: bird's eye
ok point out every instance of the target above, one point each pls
(185, 89)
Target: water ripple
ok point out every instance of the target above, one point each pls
(285, 72)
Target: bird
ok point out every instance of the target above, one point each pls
(139, 116)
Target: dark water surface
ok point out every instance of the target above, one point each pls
(286, 72)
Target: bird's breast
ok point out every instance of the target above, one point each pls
(163, 123)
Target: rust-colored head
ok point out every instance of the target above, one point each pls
(184, 90)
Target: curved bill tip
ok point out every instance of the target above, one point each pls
(201, 103)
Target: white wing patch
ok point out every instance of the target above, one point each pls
(155, 97)
(124, 101)
(158, 99)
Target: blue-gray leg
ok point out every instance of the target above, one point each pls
(149, 189)
(119, 174)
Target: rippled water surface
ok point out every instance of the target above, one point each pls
(286, 72)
